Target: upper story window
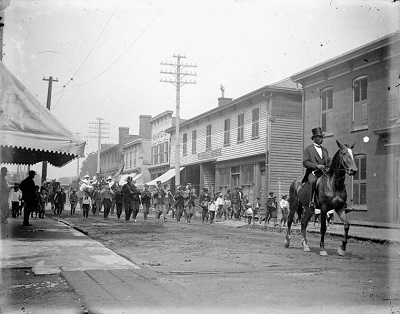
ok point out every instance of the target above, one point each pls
(327, 110)
(194, 142)
(240, 128)
(184, 142)
(360, 181)
(154, 154)
(255, 122)
(208, 136)
(227, 131)
(166, 151)
(130, 159)
(360, 102)
(161, 153)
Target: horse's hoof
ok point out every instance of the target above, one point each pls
(341, 252)
(323, 253)
(306, 248)
(287, 243)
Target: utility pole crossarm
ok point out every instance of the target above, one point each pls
(178, 74)
(101, 129)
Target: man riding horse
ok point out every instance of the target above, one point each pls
(315, 160)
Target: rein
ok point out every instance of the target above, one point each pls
(346, 171)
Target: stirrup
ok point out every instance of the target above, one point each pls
(312, 205)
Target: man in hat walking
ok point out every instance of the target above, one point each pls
(159, 200)
(315, 160)
(29, 196)
(146, 201)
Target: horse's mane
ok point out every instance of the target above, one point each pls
(335, 163)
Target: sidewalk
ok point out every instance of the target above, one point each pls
(365, 233)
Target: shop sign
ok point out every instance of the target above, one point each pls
(211, 153)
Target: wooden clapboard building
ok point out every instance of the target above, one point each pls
(253, 142)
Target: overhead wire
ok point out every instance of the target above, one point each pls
(83, 62)
(125, 51)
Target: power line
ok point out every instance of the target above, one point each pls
(83, 62)
(125, 51)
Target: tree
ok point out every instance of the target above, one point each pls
(89, 165)
(65, 180)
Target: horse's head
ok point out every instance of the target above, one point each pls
(347, 157)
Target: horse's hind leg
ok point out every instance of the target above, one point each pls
(342, 215)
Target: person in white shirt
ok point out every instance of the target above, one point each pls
(212, 207)
(220, 206)
(15, 199)
(284, 204)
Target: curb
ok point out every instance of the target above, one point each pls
(70, 225)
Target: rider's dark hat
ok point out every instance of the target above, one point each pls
(316, 132)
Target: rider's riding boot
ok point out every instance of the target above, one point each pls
(312, 204)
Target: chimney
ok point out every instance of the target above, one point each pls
(123, 134)
(145, 127)
(222, 101)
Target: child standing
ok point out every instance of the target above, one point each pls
(220, 206)
(212, 207)
(248, 211)
(284, 204)
(86, 204)
(42, 202)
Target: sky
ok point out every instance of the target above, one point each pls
(112, 51)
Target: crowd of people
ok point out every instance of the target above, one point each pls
(31, 200)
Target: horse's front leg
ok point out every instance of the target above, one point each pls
(322, 251)
(304, 223)
(343, 217)
(289, 226)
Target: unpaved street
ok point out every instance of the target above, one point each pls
(227, 268)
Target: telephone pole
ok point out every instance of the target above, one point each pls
(101, 129)
(77, 161)
(178, 81)
(50, 80)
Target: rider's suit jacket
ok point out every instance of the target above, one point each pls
(311, 159)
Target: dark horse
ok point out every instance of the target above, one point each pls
(330, 193)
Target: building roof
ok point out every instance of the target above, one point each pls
(165, 113)
(279, 87)
(347, 56)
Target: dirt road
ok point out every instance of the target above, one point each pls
(226, 268)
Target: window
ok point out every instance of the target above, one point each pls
(194, 141)
(227, 131)
(235, 172)
(155, 155)
(247, 174)
(134, 158)
(160, 153)
(208, 136)
(240, 130)
(130, 159)
(224, 177)
(184, 146)
(255, 123)
(360, 181)
(166, 151)
(327, 110)
(360, 103)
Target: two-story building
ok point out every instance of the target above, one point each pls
(355, 98)
(111, 155)
(253, 142)
(137, 160)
